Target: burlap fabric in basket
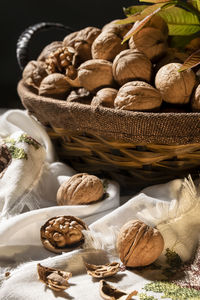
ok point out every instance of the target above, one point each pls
(135, 148)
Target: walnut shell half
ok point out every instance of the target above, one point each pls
(138, 96)
(139, 244)
(56, 280)
(81, 188)
(62, 233)
(82, 41)
(102, 271)
(109, 292)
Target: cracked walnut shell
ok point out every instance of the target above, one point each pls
(109, 292)
(62, 233)
(82, 41)
(138, 96)
(102, 271)
(49, 49)
(56, 280)
(131, 65)
(139, 244)
(175, 87)
(81, 188)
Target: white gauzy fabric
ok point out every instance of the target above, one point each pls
(22, 245)
(32, 183)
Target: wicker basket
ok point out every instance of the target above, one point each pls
(135, 148)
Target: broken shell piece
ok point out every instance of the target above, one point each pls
(62, 233)
(108, 292)
(101, 271)
(56, 280)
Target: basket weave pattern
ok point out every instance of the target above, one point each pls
(136, 149)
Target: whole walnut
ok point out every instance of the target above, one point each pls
(151, 41)
(131, 65)
(195, 103)
(171, 56)
(54, 85)
(80, 95)
(82, 41)
(95, 74)
(105, 97)
(33, 73)
(138, 96)
(49, 49)
(62, 233)
(107, 45)
(175, 87)
(139, 244)
(81, 188)
(157, 22)
(118, 29)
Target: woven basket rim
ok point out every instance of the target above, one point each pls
(125, 113)
(135, 127)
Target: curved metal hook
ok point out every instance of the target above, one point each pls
(26, 36)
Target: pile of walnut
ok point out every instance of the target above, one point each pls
(93, 67)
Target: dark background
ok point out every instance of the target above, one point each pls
(16, 16)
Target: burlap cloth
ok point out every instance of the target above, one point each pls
(133, 127)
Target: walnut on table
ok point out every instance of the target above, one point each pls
(139, 244)
(81, 188)
(62, 233)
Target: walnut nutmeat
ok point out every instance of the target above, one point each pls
(62, 233)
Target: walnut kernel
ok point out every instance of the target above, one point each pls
(62, 233)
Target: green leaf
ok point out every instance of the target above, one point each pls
(137, 26)
(179, 42)
(155, 1)
(192, 61)
(134, 9)
(180, 21)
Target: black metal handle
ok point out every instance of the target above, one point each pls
(26, 36)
